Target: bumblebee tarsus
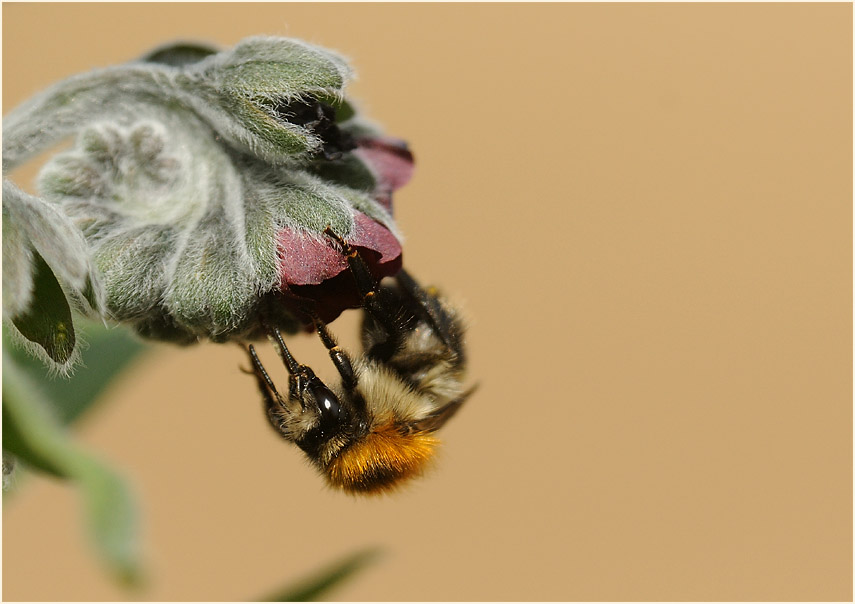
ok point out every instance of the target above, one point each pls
(339, 357)
(290, 363)
(265, 383)
(273, 401)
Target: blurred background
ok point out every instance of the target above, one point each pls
(646, 211)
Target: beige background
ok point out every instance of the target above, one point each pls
(647, 212)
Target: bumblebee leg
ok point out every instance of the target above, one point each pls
(265, 384)
(365, 281)
(296, 371)
(339, 357)
(290, 363)
(272, 399)
(431, 310)
(372, 299)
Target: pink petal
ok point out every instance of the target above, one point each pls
(307, 259)
(372, 235)
(310, 268)
(392, 163)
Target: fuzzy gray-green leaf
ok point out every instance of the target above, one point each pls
(47, 321)
(211, 289)
(51, 233)
(132, 265)
(17, 268)
(268, 65)
(239, 88)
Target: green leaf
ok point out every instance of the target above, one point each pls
(180, 54)
(44, 227)
(17, 267)
(349, 171)
(107, 352)
(314, 587)
(343, 110)
(111, 517)
(35, 437)
(47, 321)
(19, 444)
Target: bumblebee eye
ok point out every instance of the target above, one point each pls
(328, 403)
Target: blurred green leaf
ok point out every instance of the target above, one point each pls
(106, 352)
(111, 517)
(178, 55)
(312, 588)
(47, 321)
(36, 438)
(343, 110)
(19, 444)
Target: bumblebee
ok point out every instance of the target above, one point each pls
(376, 428)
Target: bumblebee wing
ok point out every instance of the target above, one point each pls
(438, 418)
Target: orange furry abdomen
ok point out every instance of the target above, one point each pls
(381, 461)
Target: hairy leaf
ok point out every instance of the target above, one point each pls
(47, 322)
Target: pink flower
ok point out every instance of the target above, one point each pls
(392, 163)
(311, 268)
